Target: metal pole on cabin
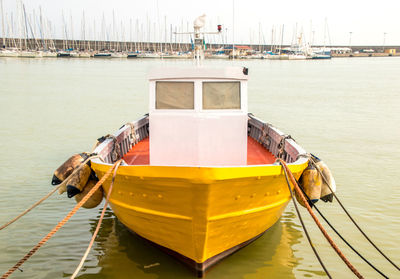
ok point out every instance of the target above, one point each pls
(350, 41)
(233, 29)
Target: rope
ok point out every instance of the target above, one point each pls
(344, 240)
(304, 227)
(351, 218)
(281, 145)
(348, 244)
(49, 194)
(133, 138)
(98, 224)
(60, 224)
(324, 232)
(265, 137)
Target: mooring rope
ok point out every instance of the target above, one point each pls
(60, 224)
(98, 224)
(339, 234)
(49, 194)
(324, 232)
(304, 227)
(348, 214)
(348, 244)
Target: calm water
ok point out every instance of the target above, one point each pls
(345, 110)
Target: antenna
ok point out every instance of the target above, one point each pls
(233, 29)
(199, 37)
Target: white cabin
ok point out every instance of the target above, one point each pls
(198, 116)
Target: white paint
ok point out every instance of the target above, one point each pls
(198, 137)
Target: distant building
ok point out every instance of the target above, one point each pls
(341, 50)
(390, 51)
(239, 50)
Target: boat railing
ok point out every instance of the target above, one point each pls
(273, 139)
(125, 140)
(267, 135)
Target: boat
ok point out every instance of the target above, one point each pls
(278, 57)
(321, 53)
(132, 55)
(102, 55)
(198, 175)
(74, 54)
(28, 54)
(199, 178)
(9, 53)
(118, 55)
(148, 55)
(63, 54)
(297, 56)
(84, 54)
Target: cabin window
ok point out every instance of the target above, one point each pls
(221, 95)
(174, 95)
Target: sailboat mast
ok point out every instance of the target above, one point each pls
(26, 27)
(2, 20)
(280, 48)
(42, 28)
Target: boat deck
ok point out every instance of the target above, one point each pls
(256, 154)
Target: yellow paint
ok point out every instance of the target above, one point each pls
(199, 212)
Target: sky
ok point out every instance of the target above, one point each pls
(336, 22)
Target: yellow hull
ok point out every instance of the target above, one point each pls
(199, 212)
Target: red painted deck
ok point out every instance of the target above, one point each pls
(256, 153)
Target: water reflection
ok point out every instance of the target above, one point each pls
(121, 254)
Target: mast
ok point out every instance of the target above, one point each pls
(42, 28)
(26, 27)
(72, 32)
(280, 48)
(83, 32)
(96, 43)
(259, 37)
(2, 19)
(130, 34)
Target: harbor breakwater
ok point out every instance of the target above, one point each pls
(88, 45)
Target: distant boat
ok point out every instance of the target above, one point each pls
(118, 55)
(176, 56)
(102, 55)
(132, 55)
(148, 55)
(48, 54)
(84, 54)
(28, 54)
(321, 53)
(298, 56)
(278, 57)
(63, 54)
(74, 54)
(9, 53)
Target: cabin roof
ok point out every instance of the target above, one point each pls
(229, 73)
